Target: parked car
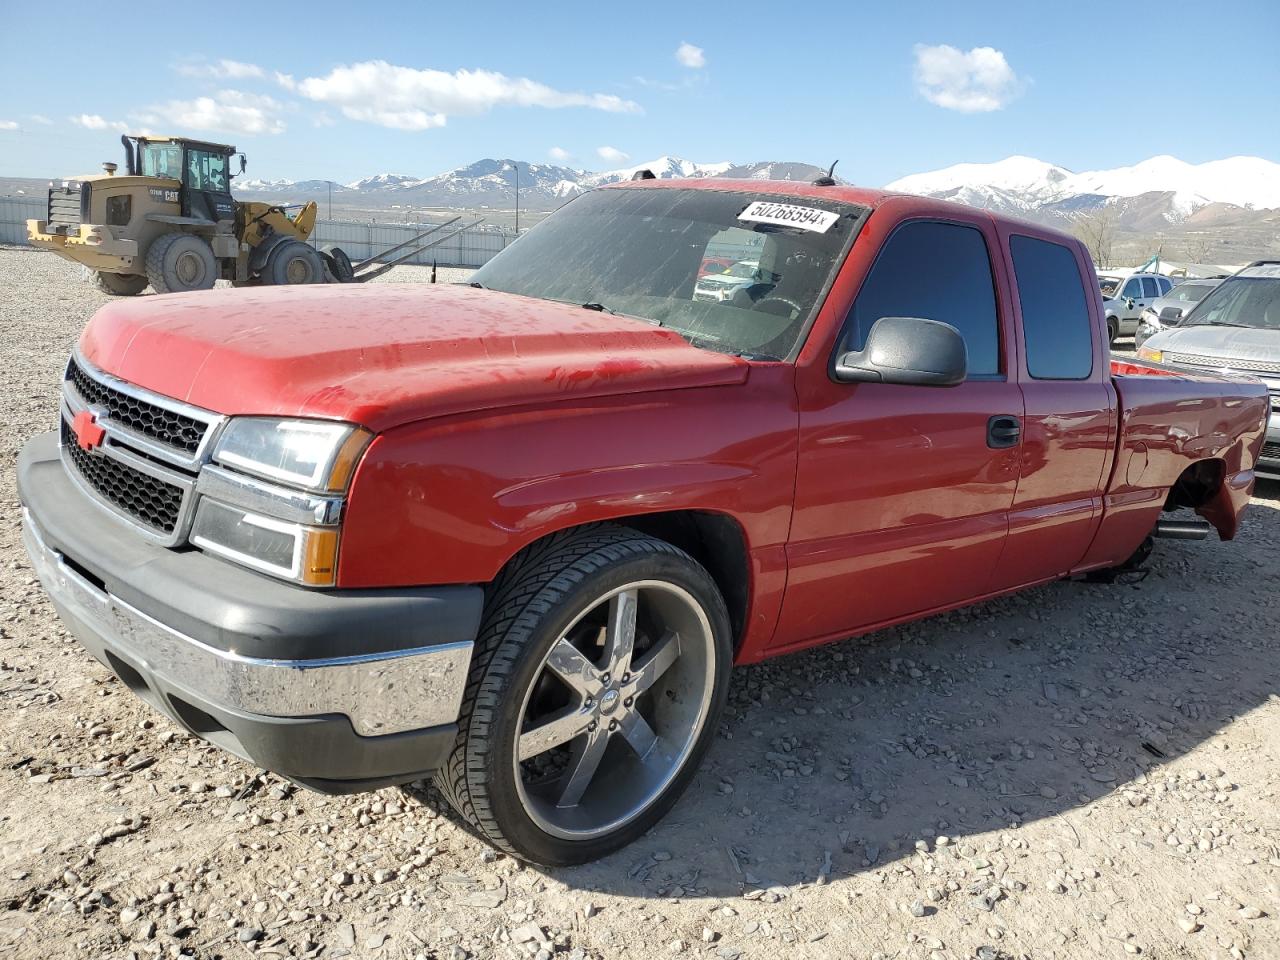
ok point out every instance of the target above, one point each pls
(513, 534)
(1235, 330)
(1166, 311)
(1125, 297)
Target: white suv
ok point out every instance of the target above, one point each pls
(1125, 296)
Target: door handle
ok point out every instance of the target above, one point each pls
(1003, 431)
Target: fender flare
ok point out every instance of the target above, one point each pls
(260, 254)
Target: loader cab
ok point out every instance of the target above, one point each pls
(203, 169)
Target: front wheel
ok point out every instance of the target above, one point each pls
(598, 680)
(1113, 331)
(293, 262)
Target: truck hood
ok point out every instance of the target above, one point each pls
(1221, 342)
(386, 355)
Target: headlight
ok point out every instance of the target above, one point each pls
(1146, 353)
(1150, 317)
(311, 454)
(293, 551)
(272, 499)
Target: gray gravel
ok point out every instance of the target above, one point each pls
(1078, 771)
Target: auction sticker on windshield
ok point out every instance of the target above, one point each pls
(789, 215)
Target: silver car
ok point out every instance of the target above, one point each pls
(1181, 299)
(1234, 329)
(1125, 296)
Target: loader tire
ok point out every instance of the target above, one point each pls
(339, 264)
(293, 262)
(116, 284)
(179, 262)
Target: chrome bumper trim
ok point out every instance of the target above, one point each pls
(379, 693)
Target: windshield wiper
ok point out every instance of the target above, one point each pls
(473, 283)
(599, 308)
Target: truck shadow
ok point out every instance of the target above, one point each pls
(840, 759)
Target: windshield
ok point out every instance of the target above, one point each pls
(639, 252)
(1189, 292)
(162, 160)
(1249, 299)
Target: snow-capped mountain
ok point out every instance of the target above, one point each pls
(1172, 188)
(492, 183)
(384, 181)
(664, 168)
(294, 186)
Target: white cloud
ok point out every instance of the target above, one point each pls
(286, 80)
(323, 120)
(976, 81)
(41, 119)
(406, 98)
(612, 154)
(91, 121)
(690, 56)
(559, 153)
(8, 124)
(223, 70)
(227, 111)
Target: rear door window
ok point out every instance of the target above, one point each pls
(1056, 326)
(1149, 288)
(938, 271)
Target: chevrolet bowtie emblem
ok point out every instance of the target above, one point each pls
(88, 433)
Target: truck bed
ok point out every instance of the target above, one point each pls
(1171, 420)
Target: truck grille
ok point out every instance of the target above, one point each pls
(1271, 451)
(148, 500)
(1223, 363)
(66, 208)
(165, 426)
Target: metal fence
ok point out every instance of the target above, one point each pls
(14, 214)
(360, 239)
(473, 247)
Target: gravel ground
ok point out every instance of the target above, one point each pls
(1077, 771)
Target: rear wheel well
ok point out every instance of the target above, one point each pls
(713, 539)
(1197, 485)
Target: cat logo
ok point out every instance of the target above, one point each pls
(163, 195)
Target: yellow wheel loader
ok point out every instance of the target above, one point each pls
(170, 223)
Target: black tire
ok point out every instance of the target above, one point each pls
(181, 262)
(339, 263)
(528, 608)
(293, 262)
(1113, 331)
(116, 284)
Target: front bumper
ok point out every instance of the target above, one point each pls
(1269, 462)
(338, 690)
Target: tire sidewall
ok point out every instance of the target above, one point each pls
(535, 634)
(184, 245)
(278, 263)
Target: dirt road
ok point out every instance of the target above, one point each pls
(1080, 771)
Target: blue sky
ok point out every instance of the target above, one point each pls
(341, 91)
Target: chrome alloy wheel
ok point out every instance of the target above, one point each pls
(614, 709)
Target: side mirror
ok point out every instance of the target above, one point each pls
(1128, 302)
(907, 350)
(1170, 314)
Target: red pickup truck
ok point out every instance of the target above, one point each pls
(512, 534)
